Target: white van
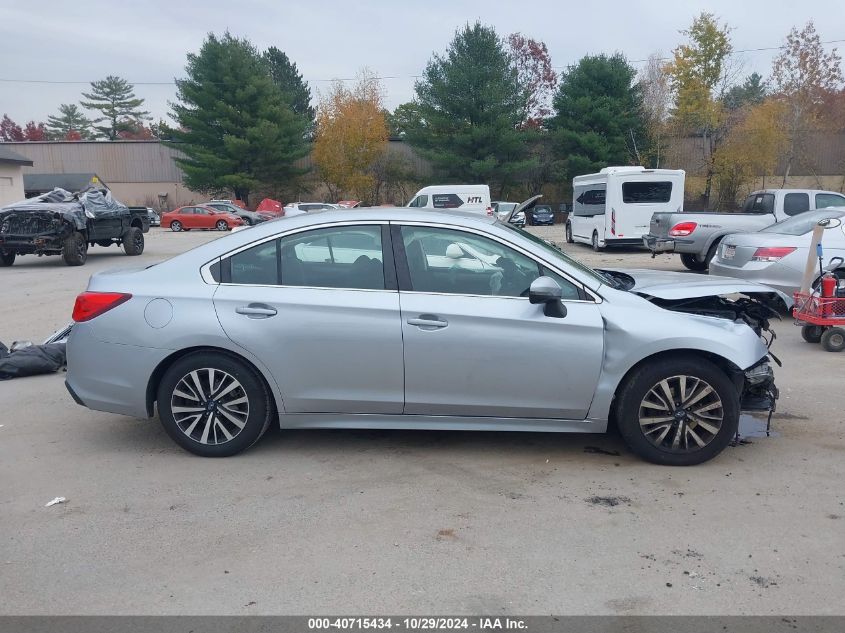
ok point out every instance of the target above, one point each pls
(614, 206)
(472, 198)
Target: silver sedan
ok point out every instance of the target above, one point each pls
(777, 255)
(403, 319)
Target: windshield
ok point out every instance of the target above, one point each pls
(555, 253)
(803, 223)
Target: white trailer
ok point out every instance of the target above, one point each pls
(614, 206)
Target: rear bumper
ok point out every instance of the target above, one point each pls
(109, 377)
(769, 274)
(658, 244)
(623, 241)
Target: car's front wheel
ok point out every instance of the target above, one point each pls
(222, 225)
(679, 411)
(75, 249)
(133, 241)
(213, 404)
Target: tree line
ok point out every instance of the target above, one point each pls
(488, 109)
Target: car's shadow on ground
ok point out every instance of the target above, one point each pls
(148, 437)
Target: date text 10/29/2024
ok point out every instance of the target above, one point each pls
(416, 623)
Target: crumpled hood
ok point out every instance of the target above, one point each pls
(671, 285)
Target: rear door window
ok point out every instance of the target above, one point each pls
(795, 203)
(646, 192)
(824, 200)
(258, 265)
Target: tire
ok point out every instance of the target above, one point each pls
(569, 239)
(75, 249)
(222, 225)
(133, 241)
(691, 262)
(176, 226)
(188, 429)
(7, 258)
(640, 387)
(595, 243)
(833, 339)
(812, 333)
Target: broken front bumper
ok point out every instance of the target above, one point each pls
(25, 244)
(759, 392)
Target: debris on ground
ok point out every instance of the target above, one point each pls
(608, 502)
(55, 501)
(597, 450)
(31, 360)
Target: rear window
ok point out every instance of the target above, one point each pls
(801, 224)
(646, 192)
(824, 200)
(759, 203)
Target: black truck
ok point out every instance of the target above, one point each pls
(66, 224)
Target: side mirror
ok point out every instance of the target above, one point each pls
(546, 290)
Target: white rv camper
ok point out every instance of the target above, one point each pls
(614, 206)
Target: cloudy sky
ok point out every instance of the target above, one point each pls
(146, 42)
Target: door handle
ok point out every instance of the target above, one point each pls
(428, 322)
(256, 311)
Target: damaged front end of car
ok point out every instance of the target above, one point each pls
(753, 305)
(34, 232)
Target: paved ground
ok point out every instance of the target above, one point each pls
(406, 522)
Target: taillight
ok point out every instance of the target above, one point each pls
(489, 210)
(682, 229)
(92, 304)
(771, 253)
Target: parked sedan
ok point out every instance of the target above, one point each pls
(777, 255)
(249, 217)
(199, 217)
(404, 318)
(540, 214)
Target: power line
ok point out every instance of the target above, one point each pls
(173, 82)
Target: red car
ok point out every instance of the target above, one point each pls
(199, 217)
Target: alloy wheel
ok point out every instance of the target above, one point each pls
(210, 406)
(681, 414)
(222, 226)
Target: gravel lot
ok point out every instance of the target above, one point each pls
(406, 522)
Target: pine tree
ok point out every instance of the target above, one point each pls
(598, 120)
(471, 105)
(288, 79)
(237, 130)
(115, 99)
(70, 120)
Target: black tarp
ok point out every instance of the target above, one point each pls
(32, 360)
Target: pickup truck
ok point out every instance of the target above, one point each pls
(695, 235)
(64, 223)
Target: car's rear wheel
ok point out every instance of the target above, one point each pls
(75, 249)
(176, 226)
(833, 339)
(133, 241)
(569, 239)
(222, 225)
(692, 262)
(812, 333)
(213, 404)
(595, 242)
(7, 258)
(679, 411)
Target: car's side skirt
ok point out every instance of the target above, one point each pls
(436, 423)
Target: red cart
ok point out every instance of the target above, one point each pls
(822, 319)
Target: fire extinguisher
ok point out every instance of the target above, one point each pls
(829, 282)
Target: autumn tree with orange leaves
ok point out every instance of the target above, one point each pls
(351, 136)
